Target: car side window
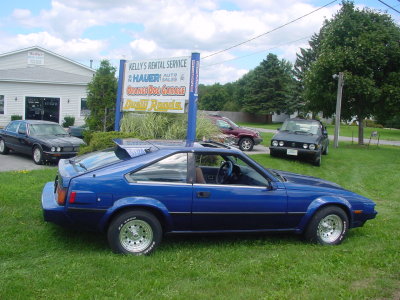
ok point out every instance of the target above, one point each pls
(12, 127)
(223, 124)
(170, 169)
(22, 128)
(216, 169)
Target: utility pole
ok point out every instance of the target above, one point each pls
(338, 107)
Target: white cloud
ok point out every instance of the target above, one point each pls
(171, 28)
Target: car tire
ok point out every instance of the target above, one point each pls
(134, 232)
(246, 144)
(328, 226)
(37, 155)
(326, 150)
(318, 159)
(3, 148)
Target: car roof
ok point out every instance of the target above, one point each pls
(173, 145)
(34, 122)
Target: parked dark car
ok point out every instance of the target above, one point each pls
(301, 138)
(44, 140)
(77, 130)
(140, 190)
(246, 138)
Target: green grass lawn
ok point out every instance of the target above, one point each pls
(345, 130)
(39, 260)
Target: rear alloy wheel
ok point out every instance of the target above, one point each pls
(246, 144)
(328, 226)
(37, 155)
(3, 148)
(135, 232)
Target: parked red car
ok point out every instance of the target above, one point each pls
(245, 138)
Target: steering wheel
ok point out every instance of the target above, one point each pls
(224, 172)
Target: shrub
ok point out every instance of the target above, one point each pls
(371, 123)
(68, 121)
(16, 117)
(102, 140)
(165, 126)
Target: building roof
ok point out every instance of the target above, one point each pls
(43, 75)
(47, 51)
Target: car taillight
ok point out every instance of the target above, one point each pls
(61, 195)
(72, 197)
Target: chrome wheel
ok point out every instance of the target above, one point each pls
(246, 144)
(37, 156)
(136, 235)
(330, 228)
(2, 146)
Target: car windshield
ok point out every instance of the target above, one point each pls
(301, 126)
(47, 129)
(101, 158)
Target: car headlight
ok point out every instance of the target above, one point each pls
(275, 143)
(281, 143)
(58, 149)
(53, 149)
(312, 147)
(305, 146)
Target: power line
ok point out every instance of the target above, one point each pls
(265, 33)
(254, 53)
(388, 6)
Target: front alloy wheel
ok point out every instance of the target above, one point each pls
(246, 144)
(134, 232)
(328, 226)
(37, 155)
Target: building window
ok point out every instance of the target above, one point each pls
(85, 111)
(1, 104)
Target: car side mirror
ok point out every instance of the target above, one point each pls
(325, 132)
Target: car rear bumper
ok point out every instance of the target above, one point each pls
(52, 212)
(302, 153)
(257, 141)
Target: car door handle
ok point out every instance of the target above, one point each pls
(203, 194)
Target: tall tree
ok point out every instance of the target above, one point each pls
(269, 87)
(102, 93)
(212, 97)
(365, 45)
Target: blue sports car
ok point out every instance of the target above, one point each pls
(140, 190)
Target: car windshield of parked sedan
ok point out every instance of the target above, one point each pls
(301, 126)
(47, 129)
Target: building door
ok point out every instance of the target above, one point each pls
(41, 108)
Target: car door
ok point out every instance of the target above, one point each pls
(10, 135)
(22, 139)
(249, 203)
(165, 184)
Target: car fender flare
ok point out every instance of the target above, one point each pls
(320, 202)
(145, 203)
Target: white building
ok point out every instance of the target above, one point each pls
(36, 83)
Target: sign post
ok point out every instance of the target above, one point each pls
(193, 97)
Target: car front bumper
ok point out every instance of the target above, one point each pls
(58, 155)
(295, 152)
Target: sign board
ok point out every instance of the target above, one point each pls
(35, 58)
(156, 85)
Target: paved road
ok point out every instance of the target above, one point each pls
(345, 138)
(16, 162)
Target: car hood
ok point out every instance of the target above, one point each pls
(296, 137)
(306, 180)
(59, 140)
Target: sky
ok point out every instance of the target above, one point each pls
(84, 30)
